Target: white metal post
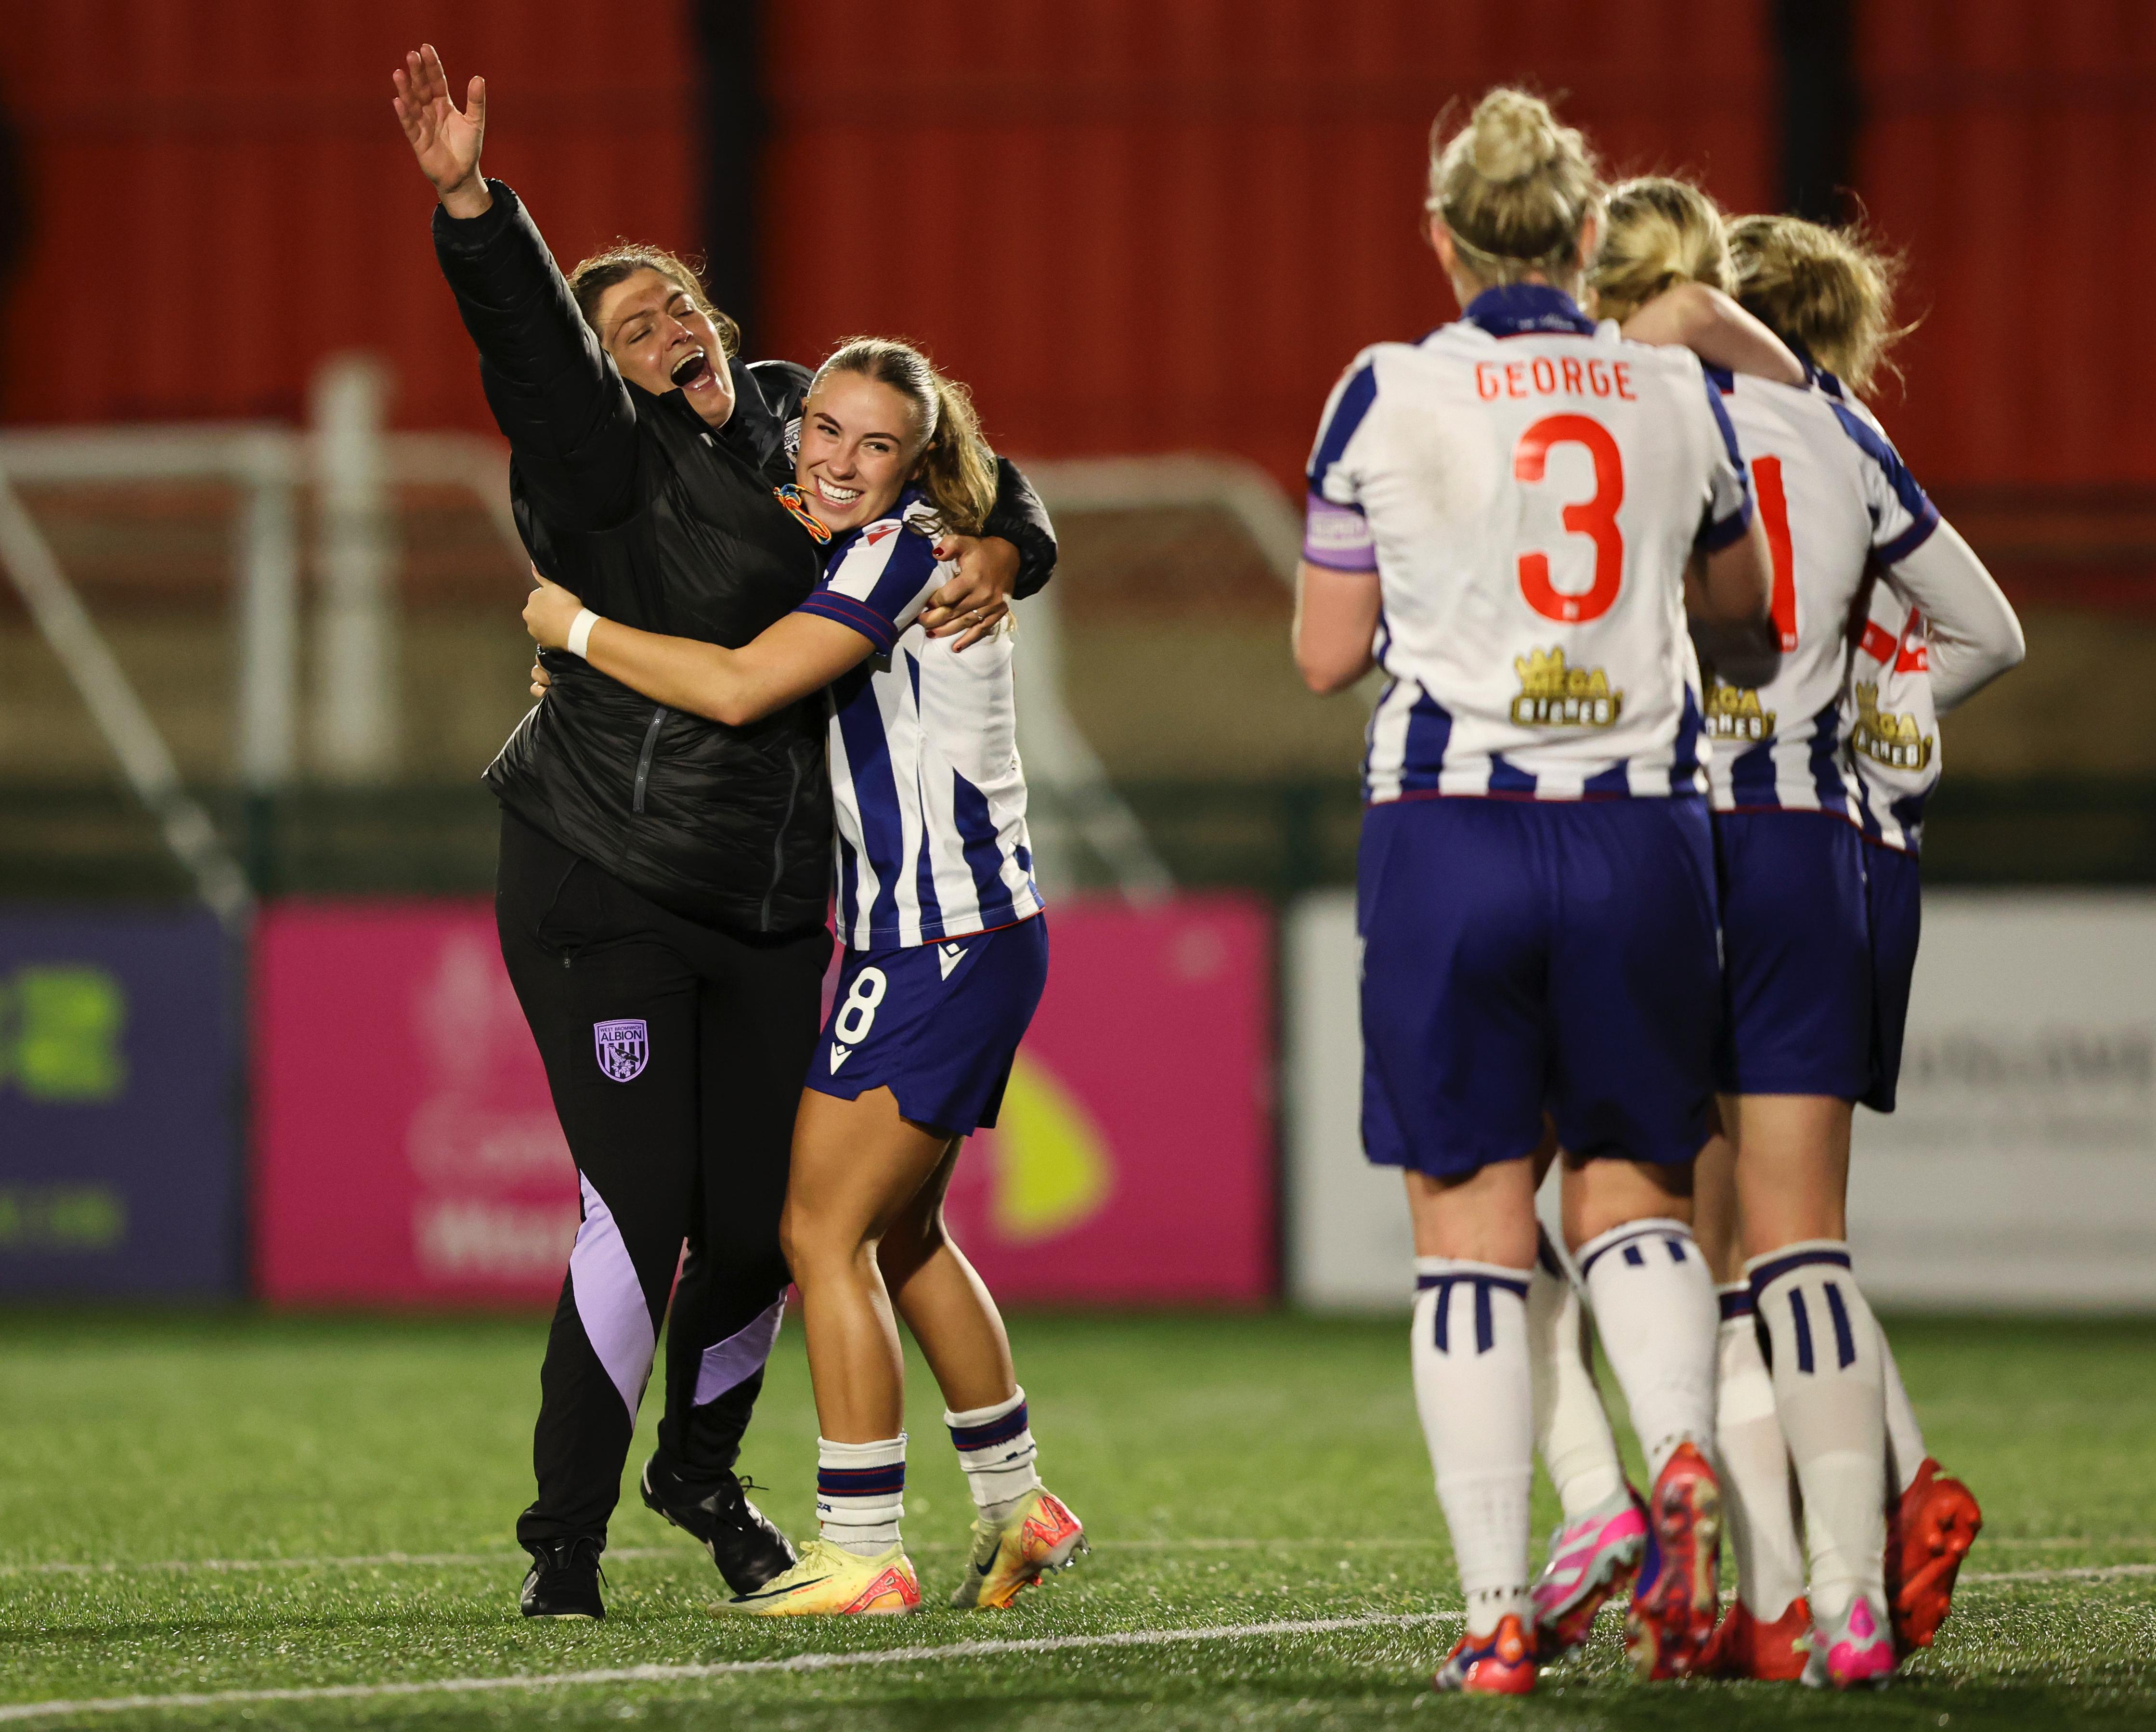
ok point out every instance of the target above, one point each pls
(356, 637)
(268, 594)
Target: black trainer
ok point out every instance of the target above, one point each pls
(748, 1550)
(564, 1582)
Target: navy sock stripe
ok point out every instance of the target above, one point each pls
(1767, 1274)
(1798, 1316)
(996, 1430)
(1485, 1327)
(1634, 1255)
(860, 1482)
(1737, 1303)
(1845, 1339)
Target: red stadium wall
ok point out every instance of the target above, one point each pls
(2007, 148)
(221, 196)
(1163, 224)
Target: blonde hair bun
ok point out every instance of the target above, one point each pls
(1513, 135)
(1514, 188)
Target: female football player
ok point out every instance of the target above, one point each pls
(662, 876)
(1800, 1039)
(1935, 631)
(1512, 517)
(948, 952)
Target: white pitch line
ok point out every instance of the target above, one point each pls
(732, 1669)
(2093, 1572)
(448, 1560)
(457, 1560)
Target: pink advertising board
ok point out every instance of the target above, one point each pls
(406, 1152)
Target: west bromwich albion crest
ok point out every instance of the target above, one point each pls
(623, 1047)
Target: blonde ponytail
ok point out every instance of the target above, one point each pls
(1660, 232)
(1830, 290)
(1514, 188)
(953, 465)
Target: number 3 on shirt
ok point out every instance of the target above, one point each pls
(1594, 517)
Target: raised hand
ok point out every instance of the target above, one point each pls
(446, 141)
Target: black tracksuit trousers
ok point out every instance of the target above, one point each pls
(676, 1055)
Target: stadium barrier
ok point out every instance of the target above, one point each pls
(119, 1167)
(406, 1152)
(2018, 1172)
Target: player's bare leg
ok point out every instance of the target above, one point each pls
(857, 1165)
(1792, 1187)
(1021, 1530)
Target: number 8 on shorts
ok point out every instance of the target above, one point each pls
(857, 1014)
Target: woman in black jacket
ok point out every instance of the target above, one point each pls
(663, 878)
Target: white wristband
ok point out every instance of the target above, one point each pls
(580, 632)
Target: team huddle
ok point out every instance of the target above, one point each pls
(1666, 626)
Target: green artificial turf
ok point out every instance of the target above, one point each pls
(1232, 1471)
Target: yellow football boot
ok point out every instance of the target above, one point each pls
(830, 1581)
(1038, 1536)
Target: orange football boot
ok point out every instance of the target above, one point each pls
(1501, 1664)
(1929, 1531)
(1741, 1646)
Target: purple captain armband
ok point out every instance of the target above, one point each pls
(1338, 537)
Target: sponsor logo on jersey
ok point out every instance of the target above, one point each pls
(880, 532)
(1732, 713)
(1885, 737)
(1554, 695)
(624, 1048)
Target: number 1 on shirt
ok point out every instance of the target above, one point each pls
(1774, 515)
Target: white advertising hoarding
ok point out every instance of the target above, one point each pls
(2018, 1172)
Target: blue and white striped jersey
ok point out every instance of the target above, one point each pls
(1833, 497)
(1528, 487)
(925, 773)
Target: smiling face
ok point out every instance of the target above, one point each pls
(860, 442)
(662, 340)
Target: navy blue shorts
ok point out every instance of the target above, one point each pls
(937, 1024)
(1796, 955)
(1520, 956)
(1893, 897)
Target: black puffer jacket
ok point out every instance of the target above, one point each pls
(658, 522)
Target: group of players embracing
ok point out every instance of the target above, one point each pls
(770, 615)
(1667, 626)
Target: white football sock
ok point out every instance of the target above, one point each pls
(860, 1493)
(996, 1448)
(1656, 1312)
(1905, 1438)
(1758, 1493)
(1828, 1389)
(1475, 1395)
(1572, 1431)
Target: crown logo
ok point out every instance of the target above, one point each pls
(1886, 737)
(1732, 713)
(1553, 695)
